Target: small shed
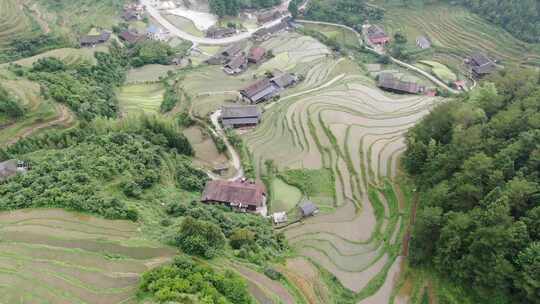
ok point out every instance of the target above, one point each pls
(423, 42)
(308, 208)
(279, 217)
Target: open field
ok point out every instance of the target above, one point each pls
(54, 256)
(149, 73)
(184, 24)
(456, 33)
(206, 153)
(285, 197)
(140, 98)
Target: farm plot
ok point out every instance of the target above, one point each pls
(456, 33)
(54, 256)
(15, 23)
(140, 98)
(149, 73)
(41, 114)
(347, 126)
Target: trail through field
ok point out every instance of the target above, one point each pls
(235, 158)
(65, 117)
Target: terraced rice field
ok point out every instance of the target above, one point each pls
(149, 73)
(456, 33)
(337, 119)
(54, 256)
(40, 114)
(140, 98)
(15, 23)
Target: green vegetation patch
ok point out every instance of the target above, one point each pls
(284, 196)
(140, 98)
(191, 281)
(318, 185)
(440, 70)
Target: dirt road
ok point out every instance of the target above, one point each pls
(64, 117)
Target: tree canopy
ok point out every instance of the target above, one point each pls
(476, 163)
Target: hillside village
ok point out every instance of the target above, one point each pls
(265, 151)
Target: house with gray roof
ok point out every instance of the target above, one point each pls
(423, 42)
(237, 116)
(308, 208)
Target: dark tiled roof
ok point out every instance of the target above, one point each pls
(219, 32)
(240, 121)
(238, 111)
(388, 81)
(234, 193)
(256, 87)
(237, 62)
(284, 80)
(130, 36)
(232, 50)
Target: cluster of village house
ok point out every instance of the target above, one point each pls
(479, 64)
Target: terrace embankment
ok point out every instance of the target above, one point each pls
(55, 256)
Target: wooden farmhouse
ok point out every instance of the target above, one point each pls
(481, 65)
(377, 36)
(93, 40)
(236, 65)
(390, 83)
(220, 32)
(241, 196)
(237, 116)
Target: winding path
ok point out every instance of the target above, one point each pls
(235, 158)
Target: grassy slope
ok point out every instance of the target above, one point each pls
(456, 33)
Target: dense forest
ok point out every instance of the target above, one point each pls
(352, 13)
(86, 88)
(476, 164)
(233, 7)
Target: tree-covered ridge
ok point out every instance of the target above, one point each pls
(189, 281)
(233, 7)
(476, 163)
(519, 17)
(87, 89)
(352, 13)
(72, 169)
